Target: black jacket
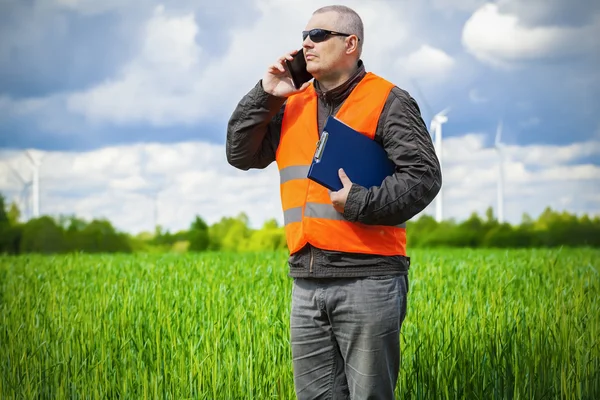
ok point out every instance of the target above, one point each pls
(253, 137)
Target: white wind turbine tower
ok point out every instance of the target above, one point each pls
(24, 204)
(35, 195)
(436, 129)
(499, 146)
(153, 194)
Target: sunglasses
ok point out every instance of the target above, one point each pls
(319, 35)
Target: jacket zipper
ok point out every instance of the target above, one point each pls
(310, 268)
(330, 109)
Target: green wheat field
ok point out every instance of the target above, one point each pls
(481, 324)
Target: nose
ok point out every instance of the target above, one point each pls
(307, 43)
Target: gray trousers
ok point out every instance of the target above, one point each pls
(345, 336)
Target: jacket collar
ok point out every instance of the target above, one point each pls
(340, 93)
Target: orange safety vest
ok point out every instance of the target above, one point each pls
(309, 216)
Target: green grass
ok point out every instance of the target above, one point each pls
(481, 324)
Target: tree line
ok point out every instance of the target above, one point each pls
(63, 234)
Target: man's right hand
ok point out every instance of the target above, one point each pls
(277, 80)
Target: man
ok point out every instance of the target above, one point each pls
(348, 248)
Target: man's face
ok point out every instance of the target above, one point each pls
(326, 57)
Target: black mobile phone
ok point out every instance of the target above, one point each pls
(297, 69)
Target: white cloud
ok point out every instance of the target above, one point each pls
(458, 5)
(119, 182)
(427, 62)
(159, 85)
(536, 176)
(476, 97)
(472, 147)
(502, 40)
(91, 7)
(10, 106)
(549, 12)
(172, 80)
(194, 178)
(549, 155)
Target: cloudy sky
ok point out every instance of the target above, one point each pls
(122, 100)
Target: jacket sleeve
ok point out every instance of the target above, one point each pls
(418, 177)
(253, 129)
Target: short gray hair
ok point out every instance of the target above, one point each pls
(349, 22)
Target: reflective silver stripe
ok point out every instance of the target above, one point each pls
(325, 211)
(293, 172)
(292, 215)
(316, 210)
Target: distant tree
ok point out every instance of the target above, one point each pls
(76, 224)
(448, 234)
(14, 214)
(505, 236)
(70, 233)
(10, 233)
(418, 230)
(473, 222)
(70, 223)
(236, 238)
(271, 224)
(269, 237)
(42, 235)
(99, 236)
(526, 220)
(230, 234)
(3, 215)
(198, 235)
(489, 215)
(471, 231)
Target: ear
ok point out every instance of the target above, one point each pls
(351, 44)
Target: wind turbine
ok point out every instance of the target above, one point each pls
(153, 194)
(499, 146)
(35, 166)
(23, 201)
(436, 129)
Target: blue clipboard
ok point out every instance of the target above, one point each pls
(364, 160)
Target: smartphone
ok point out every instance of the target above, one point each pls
(297, 69)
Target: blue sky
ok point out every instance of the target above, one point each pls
(80, 78)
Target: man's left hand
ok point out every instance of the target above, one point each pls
(338, 199)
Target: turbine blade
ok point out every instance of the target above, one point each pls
(35, 161)
(498, 133)
(17, 174)
(427, 107)
(28, 154)
(444, 112)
